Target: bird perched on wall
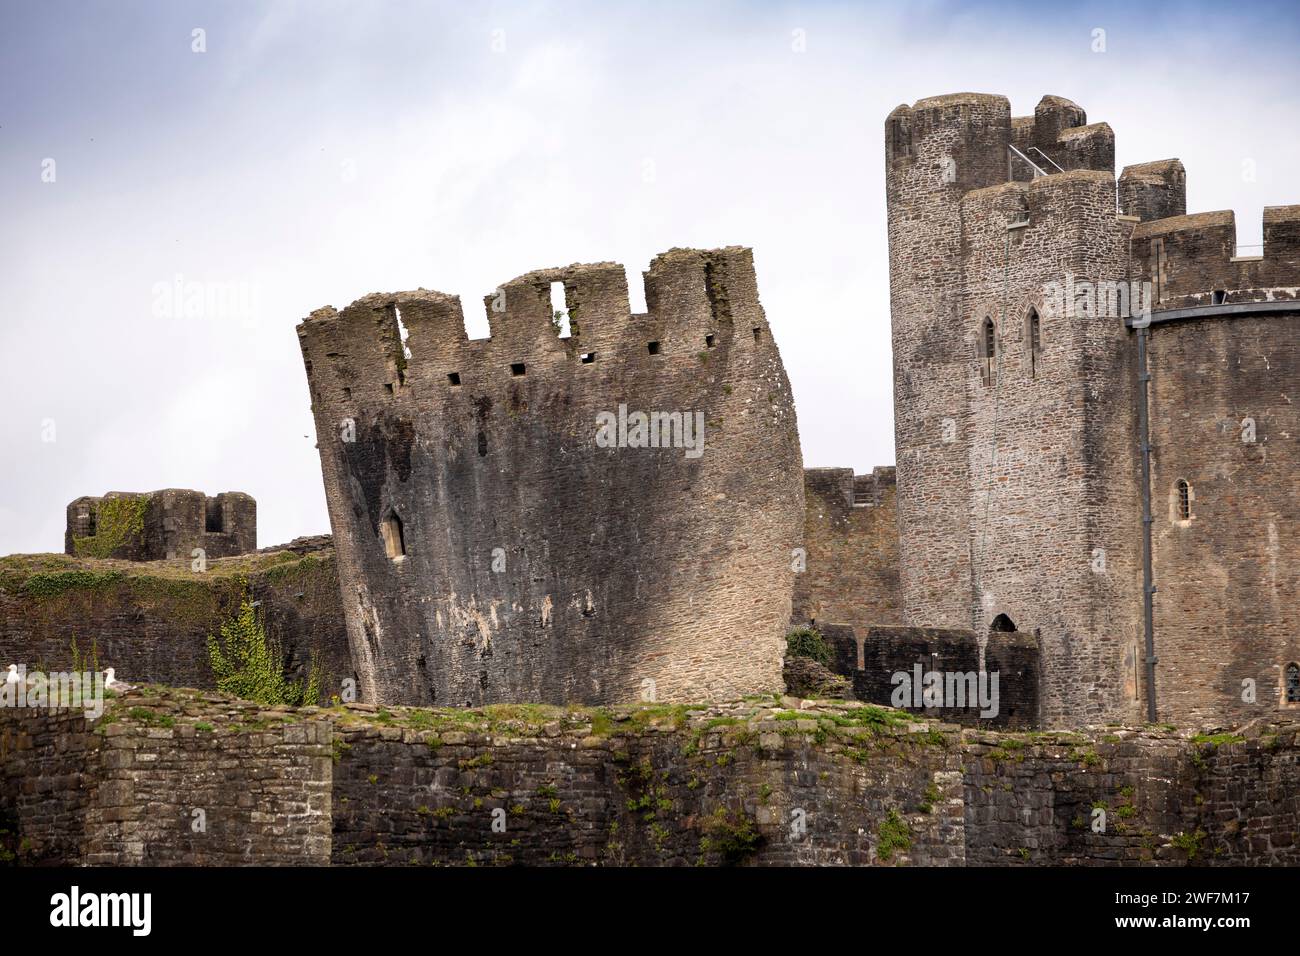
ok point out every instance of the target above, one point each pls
(12, 677)
(112, 683)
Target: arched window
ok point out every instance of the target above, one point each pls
(1182, 500)
(1002, 624)
(1292, 683)
(988, 352)
(1034, 342)
(391, 531)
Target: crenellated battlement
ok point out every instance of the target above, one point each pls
(967, 141)
(1052, 202)
(1155, 190)
(950, 153)
(1192, 259)
(697, 301)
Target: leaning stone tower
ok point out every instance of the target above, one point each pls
(532, 517)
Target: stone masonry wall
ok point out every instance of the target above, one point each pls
(161, 525)
(1192, 260)
(851, 544)
(751, 784)
(1055, 535)
(659, 787)
(1224, 419)
(48, 762)
(492, 549)
(773, 782)
(198, 785)
(1224, 800)
(124, 790)
(871, 657)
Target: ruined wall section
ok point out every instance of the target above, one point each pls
(757, 783)
(851, 544)
(1224, 419)
(180, 779)
(161, 525)
(48, 761)
(737, 785)
(872, 658)
(619, 568)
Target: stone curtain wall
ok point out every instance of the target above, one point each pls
(150, 621)
(259, 780)
(851, 540)
(649, 786)
(123, 790)
(752, 784)
(668, 788)
(1222, 800)
(49, 761)
(1188, 258)
(539, 565)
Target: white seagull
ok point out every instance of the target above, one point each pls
(112, 683)
(12, 677)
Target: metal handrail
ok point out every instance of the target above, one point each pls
(1046, 157)
(1032, 165)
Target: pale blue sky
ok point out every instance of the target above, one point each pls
(319, 151)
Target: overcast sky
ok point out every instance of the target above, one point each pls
(318, 151)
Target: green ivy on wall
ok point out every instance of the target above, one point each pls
(116, 521)
(249, 664)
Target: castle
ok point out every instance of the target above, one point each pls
(1095, 488)
(1094, 432)
(1094, 500)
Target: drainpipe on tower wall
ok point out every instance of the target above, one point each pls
(1148, 587)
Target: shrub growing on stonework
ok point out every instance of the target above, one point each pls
(808, 642)
(249, 664)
